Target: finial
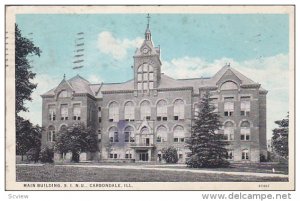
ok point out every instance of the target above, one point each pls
(64, 76)
(148, 20)
(229, 64)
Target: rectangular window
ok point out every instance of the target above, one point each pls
(139, 86)
(111, 139)
(181, 139)
(145, 76)
(99, 136)
(150, 76)
(64, 112)
(111, 156)
(140, 77)
(126, 155)
(147, 117)
(230, 154)
(245, 134)
(158, 139)
(245, 108)
(115, 155)
(176, 118)
(176, 139)
(180, 156)
(145, 85)
(158, 118)
(228, 108)
(52, 113)
(165, 118)
(99, 119)
(76, 112)
(150, 85)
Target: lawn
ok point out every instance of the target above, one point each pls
(51, 173)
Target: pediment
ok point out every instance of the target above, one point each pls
(229, 76)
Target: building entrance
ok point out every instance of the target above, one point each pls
(144, 157)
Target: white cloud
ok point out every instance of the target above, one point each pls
(116, 47)
(271, 72)
(94, 79)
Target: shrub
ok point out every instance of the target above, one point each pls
(46, 155)
(170, 155)
(33, 154)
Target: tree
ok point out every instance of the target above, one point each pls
(27, 136)
(170, 155)
(24, 87)
(280, 138)
(76, 139)
(206, 144)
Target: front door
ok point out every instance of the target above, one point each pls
(144, 156)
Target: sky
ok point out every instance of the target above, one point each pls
(192, 45)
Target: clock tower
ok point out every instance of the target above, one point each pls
(147, 64)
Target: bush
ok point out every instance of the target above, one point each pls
(263, 158)
(170, 155)
(33, 154)
(198, 162)
(46, 155)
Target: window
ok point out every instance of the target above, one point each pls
(99, 112)
(139, 86)
(99, 135)
(245, 108)
(113, 111)
(113, 134)
(129, 111)
(76, 112)
(245, 131)
(196, 110)
(162, 110)
(229, 86)
(128, 154)
(178, 134)
(129, 134)
(51, 134)
(161, 134)
(229, 131)
(52, 112)
(178, 109)
(245, 154)
(145, 110)
(228, 108)
(230, 154)
(63, 94)
(145, 77)
(64, 112)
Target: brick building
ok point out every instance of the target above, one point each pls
(138, 118)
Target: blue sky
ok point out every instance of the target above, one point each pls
(193, 45)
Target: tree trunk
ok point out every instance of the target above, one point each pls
(75, 157)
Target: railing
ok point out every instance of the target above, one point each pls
(141, 144)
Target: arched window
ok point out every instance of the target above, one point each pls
(245, 154)
(63, 128)
(178, 109)
(179, 134)
(63, 94)
(129, 111)
(229, 131)
(51, 134)
(162, 134)
(145, 110)
(245, 130)
(113, 112)
(129, 134)
(162, 110)
(144, 131)
(228, 108)
(229, 85)
(113, 134)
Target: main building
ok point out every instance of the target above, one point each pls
(138, 118)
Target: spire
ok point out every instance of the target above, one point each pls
(148, 33)
(64, 76)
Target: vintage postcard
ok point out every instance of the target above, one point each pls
(150, 98)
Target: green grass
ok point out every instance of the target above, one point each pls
(51, 173)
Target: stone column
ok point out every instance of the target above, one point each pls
(149, 154)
